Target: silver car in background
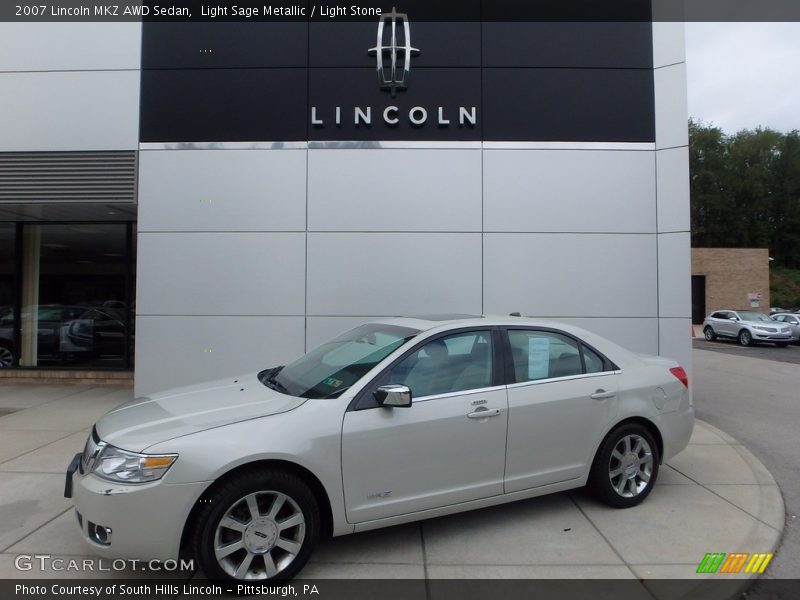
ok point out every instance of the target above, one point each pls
(793, 321)
(747, 327)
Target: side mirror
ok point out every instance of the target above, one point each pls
(393, 395)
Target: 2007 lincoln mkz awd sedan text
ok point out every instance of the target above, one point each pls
(397, 420)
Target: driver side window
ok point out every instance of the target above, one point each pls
(451, 364)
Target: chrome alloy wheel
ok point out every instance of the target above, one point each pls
(745, 339)
(259, 535)
(631, 466)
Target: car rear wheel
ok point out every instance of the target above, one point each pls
(259, 525)
(745, 338)
(625, 468)
(709, 334)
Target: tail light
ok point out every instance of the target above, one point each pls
(681, 375)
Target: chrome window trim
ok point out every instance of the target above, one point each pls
(147, 146)
(628, 146)
(469, 392)
(398, 145)
(566, 378)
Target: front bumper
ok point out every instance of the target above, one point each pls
(141, 521)
(771, 337)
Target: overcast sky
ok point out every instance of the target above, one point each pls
(742, 75)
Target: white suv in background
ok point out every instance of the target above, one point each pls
(747, 327)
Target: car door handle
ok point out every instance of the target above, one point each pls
(484, 413)
(602, 395)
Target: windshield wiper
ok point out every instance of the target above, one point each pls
(273, 384)
(276, 385)
(336, 393)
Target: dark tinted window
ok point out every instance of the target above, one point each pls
(593, 361)
(543, 355)
(451, 364)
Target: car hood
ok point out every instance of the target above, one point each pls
(160, 417)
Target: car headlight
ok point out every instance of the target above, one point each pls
(759, 327)
(123, 466)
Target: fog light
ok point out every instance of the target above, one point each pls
(100, 534)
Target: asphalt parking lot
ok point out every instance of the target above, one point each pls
(790, 354)
(752, 394)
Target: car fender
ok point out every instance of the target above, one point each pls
(218, 451)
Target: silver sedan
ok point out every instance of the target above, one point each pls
(395, 421)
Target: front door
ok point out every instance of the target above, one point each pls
(447, 447)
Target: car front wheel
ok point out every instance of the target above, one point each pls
(709, 334)
(259, 525)
(745, 338)
(625, 467)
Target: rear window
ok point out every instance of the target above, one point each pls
(543, 355)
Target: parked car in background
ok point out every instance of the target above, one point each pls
(793, 321)
(51, 318)
(394, 421)
(747, 327)
(6, 336)
(775, 310)
(96, 332)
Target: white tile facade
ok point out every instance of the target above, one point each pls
(69, 86)
(249, 257)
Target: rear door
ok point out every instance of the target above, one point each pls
(723, 323)
(561, 400)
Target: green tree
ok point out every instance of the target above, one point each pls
(709, 200)
(745, 190)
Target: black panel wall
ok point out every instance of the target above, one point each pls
(528, 81)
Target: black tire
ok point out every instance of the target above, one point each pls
(745, 338)
(231, 495)
(604, 487)
(781, 344)
(709, 334)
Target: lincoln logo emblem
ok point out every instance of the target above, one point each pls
(393, 55)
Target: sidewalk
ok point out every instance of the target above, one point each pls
(713, 497)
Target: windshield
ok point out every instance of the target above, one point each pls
(751, 315)
(333, 367)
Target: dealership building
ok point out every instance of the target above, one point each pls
(196, 200)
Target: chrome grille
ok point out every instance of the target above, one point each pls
(90, 451)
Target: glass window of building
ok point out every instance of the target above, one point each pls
(75, 296)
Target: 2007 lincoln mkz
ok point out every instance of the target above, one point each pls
(397, 420)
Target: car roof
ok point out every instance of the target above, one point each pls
(447, 321)
(618, 354)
